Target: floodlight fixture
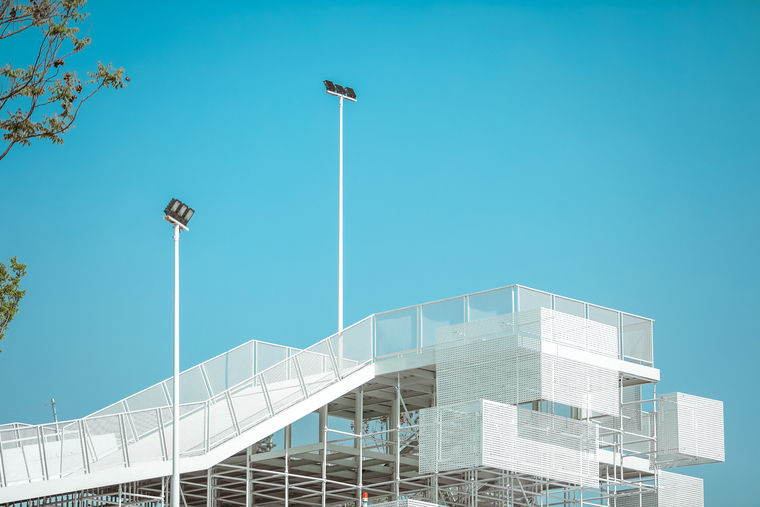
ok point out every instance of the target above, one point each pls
(178, 213)
(339, 91)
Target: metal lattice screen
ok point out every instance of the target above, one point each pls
(689, 430)
(521, 357)
(485, 433)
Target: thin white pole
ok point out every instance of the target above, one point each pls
(340, 228)
(175, 396)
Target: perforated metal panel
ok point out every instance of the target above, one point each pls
(486, 433)
(502, 359)
(676, 490)
(689, 431)
(405, 503)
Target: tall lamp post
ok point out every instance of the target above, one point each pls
(348, 94)
(178, 214)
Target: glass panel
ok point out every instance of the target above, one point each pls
(528, 299)
(357, 341)
(569, 306)
(396, 331)
(490, 304)
(603, 315)
(442, 313)
(637, 338)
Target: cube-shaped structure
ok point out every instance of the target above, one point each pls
(489, 434)
(689, 431)
(673, 490)
(528, 356)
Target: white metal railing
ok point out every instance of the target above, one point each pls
(235, 391)
(412, 329)
(97, 442)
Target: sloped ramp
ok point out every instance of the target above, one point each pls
(100, 450)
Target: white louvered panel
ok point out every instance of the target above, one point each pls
(689, 431)
(603, 339)
(579, 385)
(568, 330)
(503, 436)
(636, 499)
(405, 503)
(451, 437)
(676, 490)
(505, 369)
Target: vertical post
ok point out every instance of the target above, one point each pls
(358, 442)
(323, 430)
(288, 444)
(175, 397)
(396, 421)
(248, 492)
(340, 227)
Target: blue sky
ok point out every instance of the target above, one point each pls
(605, 151)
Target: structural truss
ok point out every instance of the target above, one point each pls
(509, 397)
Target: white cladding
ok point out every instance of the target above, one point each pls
(689, 430)
(405, 503)
(490, 434)
(514, 359)
(674, 490)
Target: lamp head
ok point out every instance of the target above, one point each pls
(178, 212)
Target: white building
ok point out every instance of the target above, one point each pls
(509, 397)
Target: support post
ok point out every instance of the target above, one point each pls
(175, 490)
(340, 227)
(395, 419)
(358, 429)
(288, 445)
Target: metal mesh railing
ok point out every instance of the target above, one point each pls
(122, 439)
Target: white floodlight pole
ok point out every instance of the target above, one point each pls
(341, 93)
(340, 228)
(177, 214)
(175, 388)
(175, 396)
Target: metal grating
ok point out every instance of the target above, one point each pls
(485, 433)
(689, 431)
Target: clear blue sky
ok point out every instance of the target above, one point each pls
(604, 151)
